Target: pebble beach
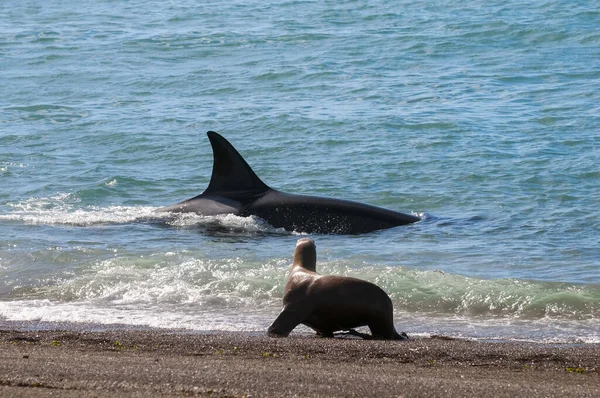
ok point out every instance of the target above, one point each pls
(127, 363)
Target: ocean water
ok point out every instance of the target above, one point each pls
(483, 118)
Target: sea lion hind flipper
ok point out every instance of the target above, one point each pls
(323, 334)
(354, 332)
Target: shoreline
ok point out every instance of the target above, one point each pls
(29, 325)
(167, 363)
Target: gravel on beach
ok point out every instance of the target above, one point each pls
(130, 363)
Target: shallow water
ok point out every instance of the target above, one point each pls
(481, 119)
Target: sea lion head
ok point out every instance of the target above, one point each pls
(305, 254)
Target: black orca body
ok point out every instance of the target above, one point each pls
(234, 188)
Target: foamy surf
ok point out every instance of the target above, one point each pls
(198, 289)
(68, 315)
(46, 311)
(225, 223)
(185, 290)
(65, 209)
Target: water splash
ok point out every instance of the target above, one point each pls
(65, 209)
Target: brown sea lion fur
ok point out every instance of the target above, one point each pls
(329, 304)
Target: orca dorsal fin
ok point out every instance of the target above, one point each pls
(231, 176)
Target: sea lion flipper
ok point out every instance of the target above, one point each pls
(365, 336)
(354, 332)
(287, 320)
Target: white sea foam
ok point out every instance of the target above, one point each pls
(166, 291)
(65, 209)
(85, 217)
(179, 290)
(87, 312)
(257, 320)
(231, 222)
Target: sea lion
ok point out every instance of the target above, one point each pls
(328, 303)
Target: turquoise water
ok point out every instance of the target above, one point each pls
(483, 119)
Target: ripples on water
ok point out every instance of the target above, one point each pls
(482, 118)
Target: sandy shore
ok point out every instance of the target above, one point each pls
(159, 363)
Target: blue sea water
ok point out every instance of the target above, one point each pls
(481, 117)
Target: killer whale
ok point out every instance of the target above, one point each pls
(235, 188)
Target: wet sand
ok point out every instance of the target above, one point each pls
(127, 363)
